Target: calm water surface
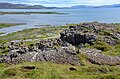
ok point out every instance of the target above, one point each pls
(108, 15)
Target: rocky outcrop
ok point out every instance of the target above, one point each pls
(62, 50)
(46, 50)
(61, 56)
(90, 32)
(95, 56)
(76, 36)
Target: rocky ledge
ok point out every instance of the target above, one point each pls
(46, 50)
(90, 32)
(63, 50)
(96, 57)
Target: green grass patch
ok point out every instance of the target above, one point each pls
(2, 33)
(115, 51)
(4, 25)
(102, 46)
(30, 34)
(46, 70)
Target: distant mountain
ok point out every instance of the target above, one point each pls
(22, 6)
(25, 6)
(82, 6)
(109, 6)
(103, 6)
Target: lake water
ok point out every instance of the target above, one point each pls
(108, 15)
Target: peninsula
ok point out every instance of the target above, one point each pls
(2, 13)
(4, 25)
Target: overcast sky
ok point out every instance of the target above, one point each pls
(64, 3)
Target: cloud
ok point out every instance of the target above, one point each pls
(64, 2)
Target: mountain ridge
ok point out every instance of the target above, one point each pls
(22, 6)
(4, 5)
(102, 6)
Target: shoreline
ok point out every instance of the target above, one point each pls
(1, 33)
(18, 25)
(5, 25)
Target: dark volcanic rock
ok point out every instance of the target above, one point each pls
(77, 37)
(90, 32)
(84, 33)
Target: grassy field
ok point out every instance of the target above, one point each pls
(1, 13)
(2, 33)
(34, 33)
(46, 70)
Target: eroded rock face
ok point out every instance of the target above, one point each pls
(84, 33)
(95, 56)
(90, 32)
(46, 50)
(76, 37)
(57, 56)
(102, 59)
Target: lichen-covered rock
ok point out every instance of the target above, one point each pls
(59, 56)
(102, 59)
(50, 50)
(95, 56)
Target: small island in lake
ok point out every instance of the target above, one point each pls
(2, 13)
(4, 25)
